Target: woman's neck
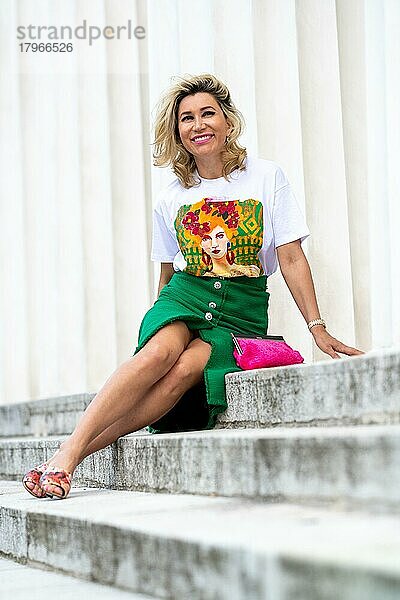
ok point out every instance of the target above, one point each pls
(210, 168)
(220, 266)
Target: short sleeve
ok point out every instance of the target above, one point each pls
(164, 244)
(288, 220)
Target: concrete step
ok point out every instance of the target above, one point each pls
(20, 582)
(43, 417)
(363, 389)
(358, 390)
(350, 466)
(205, 548)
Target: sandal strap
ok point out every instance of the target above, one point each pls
(61, 473)
(33, 476)
(57, 477)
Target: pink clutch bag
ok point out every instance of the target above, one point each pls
(258, 352)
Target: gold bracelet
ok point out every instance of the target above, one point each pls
(316, 322)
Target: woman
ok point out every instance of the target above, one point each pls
(185, 337)
(214, 223)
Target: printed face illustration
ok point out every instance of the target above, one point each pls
(215, 244)
(221, 237)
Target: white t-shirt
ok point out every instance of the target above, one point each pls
(228, 228)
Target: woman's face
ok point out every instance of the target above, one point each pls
(215, 244)
(202, 125)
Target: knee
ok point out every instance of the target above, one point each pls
(156, 354)
(184, 374)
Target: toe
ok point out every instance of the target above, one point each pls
(49, 488)
(32, 486)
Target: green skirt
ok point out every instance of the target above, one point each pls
(214, 307)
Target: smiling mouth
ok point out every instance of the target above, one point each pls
(203, 138)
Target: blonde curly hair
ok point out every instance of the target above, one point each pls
(168, 148)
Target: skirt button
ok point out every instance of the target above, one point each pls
(217, 285)
(212, 305)
(208, 316)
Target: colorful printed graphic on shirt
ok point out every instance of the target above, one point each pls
(220, 237)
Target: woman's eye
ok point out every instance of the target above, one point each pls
(220, 235)
(206, 113)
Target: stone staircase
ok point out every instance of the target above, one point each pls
(294, 496)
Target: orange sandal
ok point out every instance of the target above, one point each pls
(54, 476)
(33, 477)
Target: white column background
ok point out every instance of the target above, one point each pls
(319, 86)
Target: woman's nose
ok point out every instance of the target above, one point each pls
(198, 123)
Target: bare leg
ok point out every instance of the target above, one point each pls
(124, 392)
(124, 389)
(187, 371)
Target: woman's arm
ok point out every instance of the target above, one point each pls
(167, 270)
(297, 275)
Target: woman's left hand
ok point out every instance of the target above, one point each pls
(331, 345)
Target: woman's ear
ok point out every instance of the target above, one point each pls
(228, 132)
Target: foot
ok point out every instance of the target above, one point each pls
(56, 481)
(65, 457)
(31, 481)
